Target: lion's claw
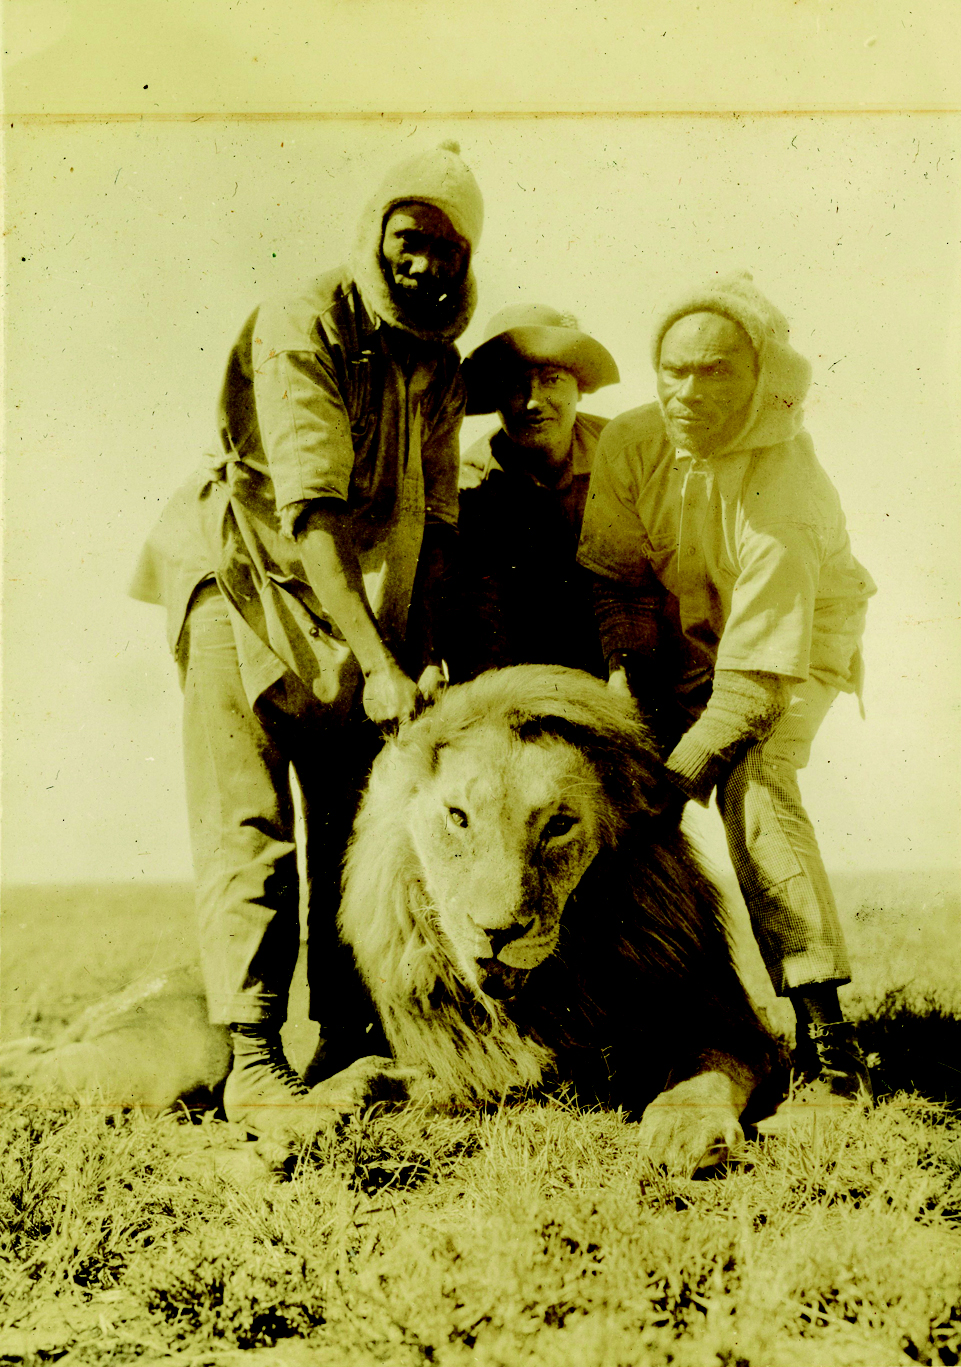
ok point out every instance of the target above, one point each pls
(693, 1125)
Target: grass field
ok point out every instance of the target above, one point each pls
(530, 1234)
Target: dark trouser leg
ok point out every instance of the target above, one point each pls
(333, 776)
(241, 825)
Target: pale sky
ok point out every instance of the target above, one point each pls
(136, 249)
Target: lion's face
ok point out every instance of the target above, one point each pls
(504, 829)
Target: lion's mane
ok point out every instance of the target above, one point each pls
(641, 987)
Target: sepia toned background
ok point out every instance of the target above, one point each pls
(137, 245)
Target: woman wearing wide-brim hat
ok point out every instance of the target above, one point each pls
(533, 334)
(523, 493)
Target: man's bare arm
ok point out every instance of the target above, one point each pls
(333, 569)
(433, 623)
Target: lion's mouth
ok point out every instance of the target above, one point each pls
(498, 980)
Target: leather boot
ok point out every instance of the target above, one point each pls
(829, 1057)
(262, 1089)
(830, 1077)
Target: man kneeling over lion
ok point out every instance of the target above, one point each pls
(731, 607)
(300, 569)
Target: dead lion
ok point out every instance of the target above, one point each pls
(522, 917)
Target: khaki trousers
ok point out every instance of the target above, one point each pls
(241, 815)
(775, 852)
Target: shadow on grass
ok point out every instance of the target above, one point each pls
(913, 1046)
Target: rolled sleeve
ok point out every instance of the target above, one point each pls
(770, 624)
(304, 427)
(440, 456)
(614, 542)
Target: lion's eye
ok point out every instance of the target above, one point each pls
(559, 824)
(458, 818)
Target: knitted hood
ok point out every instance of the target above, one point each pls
(776, 413)
(440, 178)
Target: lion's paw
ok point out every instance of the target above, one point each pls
(367, 1080)
(694, 1124)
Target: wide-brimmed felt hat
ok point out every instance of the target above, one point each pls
(537, 335)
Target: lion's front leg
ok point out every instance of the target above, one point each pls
(367, 1081)
(696, 1124)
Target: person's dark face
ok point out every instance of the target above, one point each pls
(424, 259)
(538, 405)
(705, 381)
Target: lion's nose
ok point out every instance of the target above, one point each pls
(499, 938)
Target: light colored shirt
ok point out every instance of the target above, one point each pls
(320, 400)
(752, 544)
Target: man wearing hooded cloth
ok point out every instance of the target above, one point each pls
(731, 607)
(300, 571)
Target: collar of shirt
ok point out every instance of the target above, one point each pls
(516, 461)
(510, 458)
(726, 471)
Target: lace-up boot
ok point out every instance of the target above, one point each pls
(830, 1078)
(829, 1058)
(262, 1089)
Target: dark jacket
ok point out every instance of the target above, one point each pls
(523, 598)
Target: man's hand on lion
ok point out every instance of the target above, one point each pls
(694, 1124)
(390, 696)
(432, 683)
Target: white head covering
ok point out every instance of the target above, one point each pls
(438, 177)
